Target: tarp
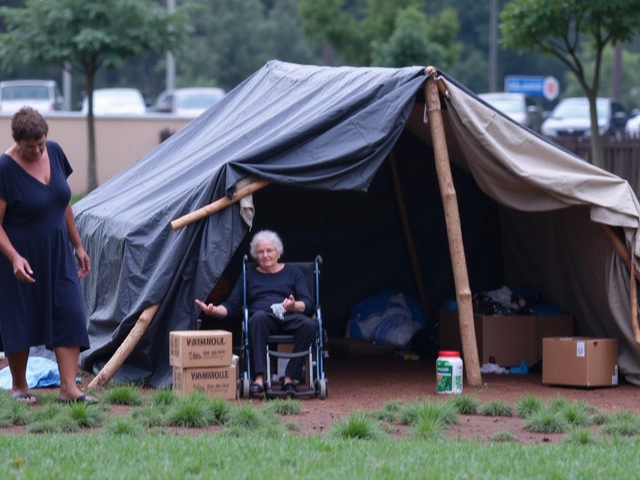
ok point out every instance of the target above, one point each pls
(322, 135)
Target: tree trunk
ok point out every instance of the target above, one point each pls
(597, 152)
(92, 176)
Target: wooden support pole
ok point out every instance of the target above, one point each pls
(625, 255)
(620, 248)
(454, 230)
(415, 264)
(218, 205)
(125, 349)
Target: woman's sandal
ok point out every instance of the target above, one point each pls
(289, 387)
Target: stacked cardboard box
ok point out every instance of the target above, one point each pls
(202, 360)
(508, 339)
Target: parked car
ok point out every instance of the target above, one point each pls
(187, 102)
(571, 118)
(116, 101)
(43, 95)
(632, 127)
(520, 107)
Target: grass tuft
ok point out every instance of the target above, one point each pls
(85, 415)
(546, 421)
(219, 411)
(577, 415)
(123, 395)
(389, 412)
(428, 427)
(247, 417)
(557, 404)
(504, 437)
(150, 416)
(163, 397)
(466, 404)
(14, 413)
(527, 405)
(623, 423)
(496, 408)
(446, 412)
(284, 406)
(600, 418)
(124, 426)
(357, 425)
(579, 436)
(190, 411)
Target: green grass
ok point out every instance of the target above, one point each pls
(496, 408)
(123, 395)
(121, 455)
(357, 425)
(466, 404)
(547, 421)
(527, 405)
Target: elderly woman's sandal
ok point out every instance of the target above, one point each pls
(256, 389)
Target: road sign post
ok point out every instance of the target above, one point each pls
(535, 86)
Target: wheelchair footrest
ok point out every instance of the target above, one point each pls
(276, 392)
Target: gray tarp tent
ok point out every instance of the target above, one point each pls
(529, 210)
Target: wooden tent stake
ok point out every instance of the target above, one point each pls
(218, 205)
(625, 255)
(454, 230)
(415, 264)
(125, 349)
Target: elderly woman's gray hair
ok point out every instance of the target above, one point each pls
(273, 237)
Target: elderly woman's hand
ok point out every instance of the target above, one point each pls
(289, 304)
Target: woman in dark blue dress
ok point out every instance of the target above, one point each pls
(40, 299)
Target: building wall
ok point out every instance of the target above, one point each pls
(120, 141)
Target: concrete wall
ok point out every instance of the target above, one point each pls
(120, 141)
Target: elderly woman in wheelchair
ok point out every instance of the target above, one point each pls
(278, 301)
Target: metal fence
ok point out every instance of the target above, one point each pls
(621, 156)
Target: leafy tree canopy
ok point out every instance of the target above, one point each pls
(381, 32)
(561, 28)
(88, 35)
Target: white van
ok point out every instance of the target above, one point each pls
(43, 95)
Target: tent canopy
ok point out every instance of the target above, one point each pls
(322, 135)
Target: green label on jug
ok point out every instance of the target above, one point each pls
(444, 376)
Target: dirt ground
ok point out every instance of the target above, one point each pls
(366, 383)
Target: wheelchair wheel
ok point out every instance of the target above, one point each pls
(322, 390)
(244, 385)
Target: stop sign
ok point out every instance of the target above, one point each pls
(550, 88)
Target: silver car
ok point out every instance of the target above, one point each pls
(520, 107)
(43, 95)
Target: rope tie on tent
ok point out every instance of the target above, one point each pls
(425, 118)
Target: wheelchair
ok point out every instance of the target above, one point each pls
(317, 382)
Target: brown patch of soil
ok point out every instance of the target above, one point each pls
(367, 383)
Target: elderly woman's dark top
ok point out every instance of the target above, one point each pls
(265, 289)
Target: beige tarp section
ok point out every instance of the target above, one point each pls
(551, 204)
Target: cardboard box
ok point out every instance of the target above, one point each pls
(508, 339)
(552, 326)
(212, 381)
(580, 361)
(200, 348)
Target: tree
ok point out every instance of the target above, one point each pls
(88, 36)
(630, 77)
(377, 31)
(559, 29)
